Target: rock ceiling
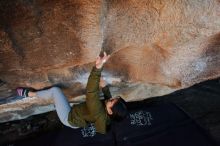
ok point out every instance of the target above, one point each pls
(156, 47)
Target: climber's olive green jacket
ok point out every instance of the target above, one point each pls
(93, 110)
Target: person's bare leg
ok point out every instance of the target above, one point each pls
(32, 94)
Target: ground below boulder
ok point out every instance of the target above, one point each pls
(194, 100)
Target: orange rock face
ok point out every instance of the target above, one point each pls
(170, 43)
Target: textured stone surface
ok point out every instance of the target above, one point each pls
(159, 46)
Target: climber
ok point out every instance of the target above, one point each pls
(93, 110)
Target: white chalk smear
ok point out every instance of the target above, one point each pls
(200, 66)
(110, 79)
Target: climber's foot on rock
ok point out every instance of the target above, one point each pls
(22, 92)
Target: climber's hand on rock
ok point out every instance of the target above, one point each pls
(100, 61)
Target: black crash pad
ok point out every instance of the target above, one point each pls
(161, 125)
(150, 125)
